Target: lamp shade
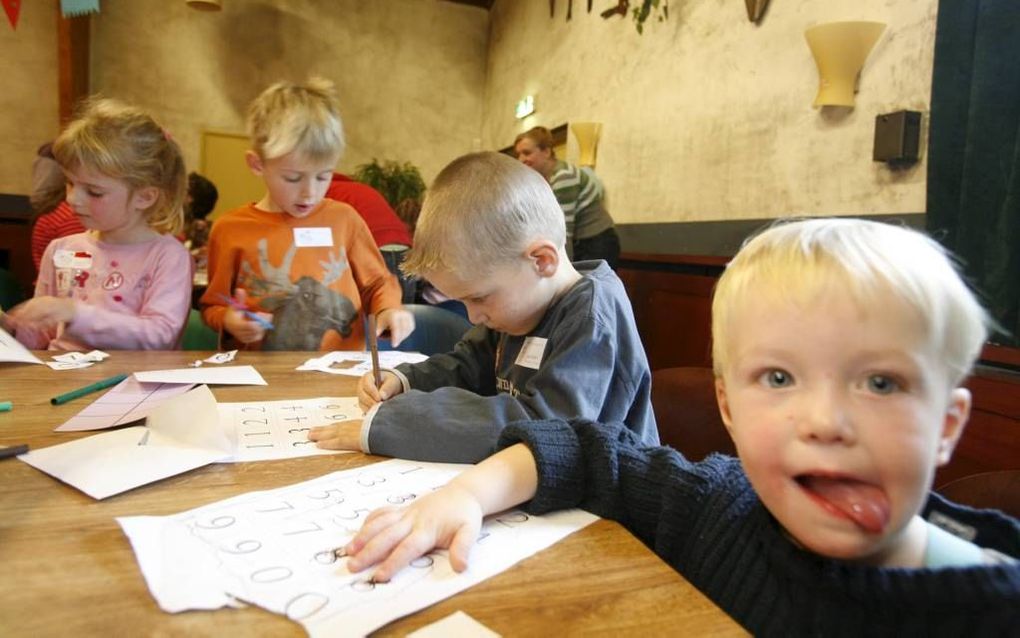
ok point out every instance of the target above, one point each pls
(205, 5)
(587, 134)
(840, 49)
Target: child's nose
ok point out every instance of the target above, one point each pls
(825, 417)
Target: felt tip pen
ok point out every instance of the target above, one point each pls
(95, 387)
(6, 406)
(14, 450)
(240, 307)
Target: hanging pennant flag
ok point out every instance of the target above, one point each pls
(12, 8)
(72, 8)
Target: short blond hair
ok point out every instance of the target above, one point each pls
(799, 260)
(125, 143)
(481, 212)
(290, 117)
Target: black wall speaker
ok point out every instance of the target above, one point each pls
(897, 137)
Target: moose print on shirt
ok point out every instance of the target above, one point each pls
(303, 310)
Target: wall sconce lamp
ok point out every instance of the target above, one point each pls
(587, 134)
(840, 49)
(205, 5)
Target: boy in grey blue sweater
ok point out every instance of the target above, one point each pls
(840, 348)
(552, 339)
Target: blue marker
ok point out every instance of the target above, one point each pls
(237, 305)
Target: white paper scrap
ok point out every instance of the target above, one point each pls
(227, 375)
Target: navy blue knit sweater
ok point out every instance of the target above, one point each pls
(706, 521)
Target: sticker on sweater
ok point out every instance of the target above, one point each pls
(77, 259)
(531, 353)
(313, 237)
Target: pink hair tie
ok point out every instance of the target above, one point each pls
(166, 135)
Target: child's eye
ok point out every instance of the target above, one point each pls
(882, 384)
(93, 193)
(776, 378)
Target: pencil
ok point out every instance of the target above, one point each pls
(14, 450)
(95, 387)
(373, 346)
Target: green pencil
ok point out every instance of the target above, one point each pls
(98, 385)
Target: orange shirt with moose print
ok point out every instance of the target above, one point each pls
(316, 275)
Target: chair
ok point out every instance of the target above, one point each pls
(988, 490)
(197, 335)
(436, 330)
(686, 412)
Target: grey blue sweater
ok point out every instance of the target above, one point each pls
(592, 365)
(706, 521)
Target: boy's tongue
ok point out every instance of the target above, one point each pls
(864, 504)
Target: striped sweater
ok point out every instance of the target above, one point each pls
(581, 196)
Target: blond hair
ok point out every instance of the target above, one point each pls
(290, 117)
(125, 143)
(481, 212)
(799, 260)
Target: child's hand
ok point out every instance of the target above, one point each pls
(369, 395)
(448, 518)
(42, 312)
(400, 323)
(345, 435)
(243, 328)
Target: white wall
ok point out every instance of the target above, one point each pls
(28, 99)
(409, 72)
(708, 116)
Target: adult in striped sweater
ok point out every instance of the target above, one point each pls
(840, 349)
(590, 230)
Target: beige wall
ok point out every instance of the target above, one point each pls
(708, 116)
(409, 73)
(28, 99)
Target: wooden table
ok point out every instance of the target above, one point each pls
(68, 569)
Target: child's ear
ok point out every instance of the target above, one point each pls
(953, 422)
(145, 197)
(724, 405)
(544, 255)
(254, 162)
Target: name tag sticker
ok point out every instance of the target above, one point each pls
(313, 237)
(531, 353)
(79, 260)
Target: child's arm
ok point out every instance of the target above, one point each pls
(603, 468)
(449, 518)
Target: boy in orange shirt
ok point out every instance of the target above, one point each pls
(303, 269)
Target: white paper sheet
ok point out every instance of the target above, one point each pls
(189, 431)
(456, 625)
(11, 350)
(127, 401)
(275, 548)
(356, 364)
(226, 375)
(182, 434)
(265, 430)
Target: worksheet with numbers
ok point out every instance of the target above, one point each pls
(266, 430)
(277, 550)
